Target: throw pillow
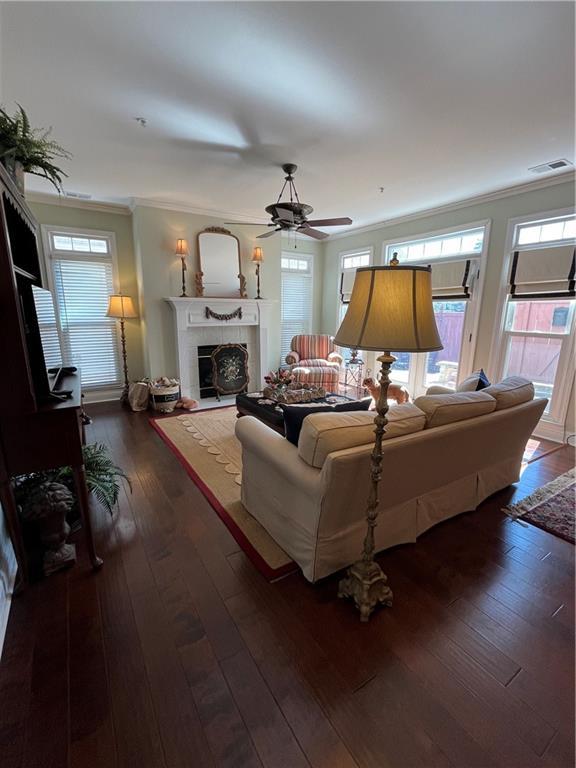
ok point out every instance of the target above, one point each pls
(294, 415)
(474, 383)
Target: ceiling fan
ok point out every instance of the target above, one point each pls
(291, 215)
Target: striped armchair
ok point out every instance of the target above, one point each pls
(312, 360)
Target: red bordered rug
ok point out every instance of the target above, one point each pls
(205, 444)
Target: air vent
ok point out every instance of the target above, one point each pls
(78, 195)
(555, 165)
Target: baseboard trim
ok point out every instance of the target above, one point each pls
(102, 395)
(548, 430)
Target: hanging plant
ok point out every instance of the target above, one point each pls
(24, 149)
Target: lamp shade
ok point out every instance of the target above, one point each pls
(181, 247)
(120, 306)
(390, 310)
(257, 255)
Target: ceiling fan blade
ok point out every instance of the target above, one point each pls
(268, 234)
(330, 222)
(315, 233)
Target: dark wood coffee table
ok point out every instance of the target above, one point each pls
(269, 413)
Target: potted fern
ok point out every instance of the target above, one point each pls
(102, 478)
(24, 149)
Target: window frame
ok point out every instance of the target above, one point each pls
(552, 424)
(47, 230)
(310, 272)
(369, 249)
(472, 319)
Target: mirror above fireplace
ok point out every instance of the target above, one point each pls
(220, 272)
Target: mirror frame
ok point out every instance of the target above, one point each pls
(198, 281)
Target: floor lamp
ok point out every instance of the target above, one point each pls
(390, 309)
(122, 308)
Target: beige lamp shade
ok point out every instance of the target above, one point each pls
(121, 306)
(257, 255)
(390, 310)
(181, 247)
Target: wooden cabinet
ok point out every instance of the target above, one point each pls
(37, 431)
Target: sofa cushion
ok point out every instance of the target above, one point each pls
(474, 383)
(511, 391)
(294, 415)
(324, 433)
(444, 409)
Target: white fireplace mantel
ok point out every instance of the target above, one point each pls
(193, 329)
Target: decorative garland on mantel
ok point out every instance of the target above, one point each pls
(217, 316)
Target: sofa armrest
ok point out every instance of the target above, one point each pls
(335, 357)
(280, 455)
(292, 358)
(436, 389)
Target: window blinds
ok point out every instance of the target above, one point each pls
(89, 338)
(296, 308)
(543, 273)
(452, 280)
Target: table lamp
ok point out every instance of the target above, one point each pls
(122, 308)
(258, 258)
(390, 309)
(182, 251)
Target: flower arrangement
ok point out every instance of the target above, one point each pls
(30, 150)
(280, 379)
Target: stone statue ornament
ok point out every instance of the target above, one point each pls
(47, 506)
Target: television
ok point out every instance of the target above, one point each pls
(42, 339)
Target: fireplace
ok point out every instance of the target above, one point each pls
(222, 369)
(211, 322)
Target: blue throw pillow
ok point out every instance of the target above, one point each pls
(294, 415)
(474, 383)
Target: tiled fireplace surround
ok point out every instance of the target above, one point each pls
(194, 329)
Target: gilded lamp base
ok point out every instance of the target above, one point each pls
(366, 583)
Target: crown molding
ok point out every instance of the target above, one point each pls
(497, 194)
(181, 207)
(72, 202)
(128, 207)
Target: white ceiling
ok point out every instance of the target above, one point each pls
(434, 102)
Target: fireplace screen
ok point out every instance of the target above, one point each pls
(229, 369)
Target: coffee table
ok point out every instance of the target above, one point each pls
(268, 413)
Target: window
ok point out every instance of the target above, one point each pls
(455, 258)
(539, 308)
(349, 263)
(296, 299)
(81, 278)
(467, 242)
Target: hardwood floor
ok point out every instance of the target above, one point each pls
(179, 654)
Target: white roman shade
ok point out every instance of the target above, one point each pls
(543, 273)
(451, 280)
(347, 278)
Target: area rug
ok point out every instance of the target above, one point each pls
(206, 446)
(550, 507)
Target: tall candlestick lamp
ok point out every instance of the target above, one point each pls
(122, 308)
(258, 258)
(182, 251)
(390, 309)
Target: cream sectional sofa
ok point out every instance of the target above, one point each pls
(442, 455)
